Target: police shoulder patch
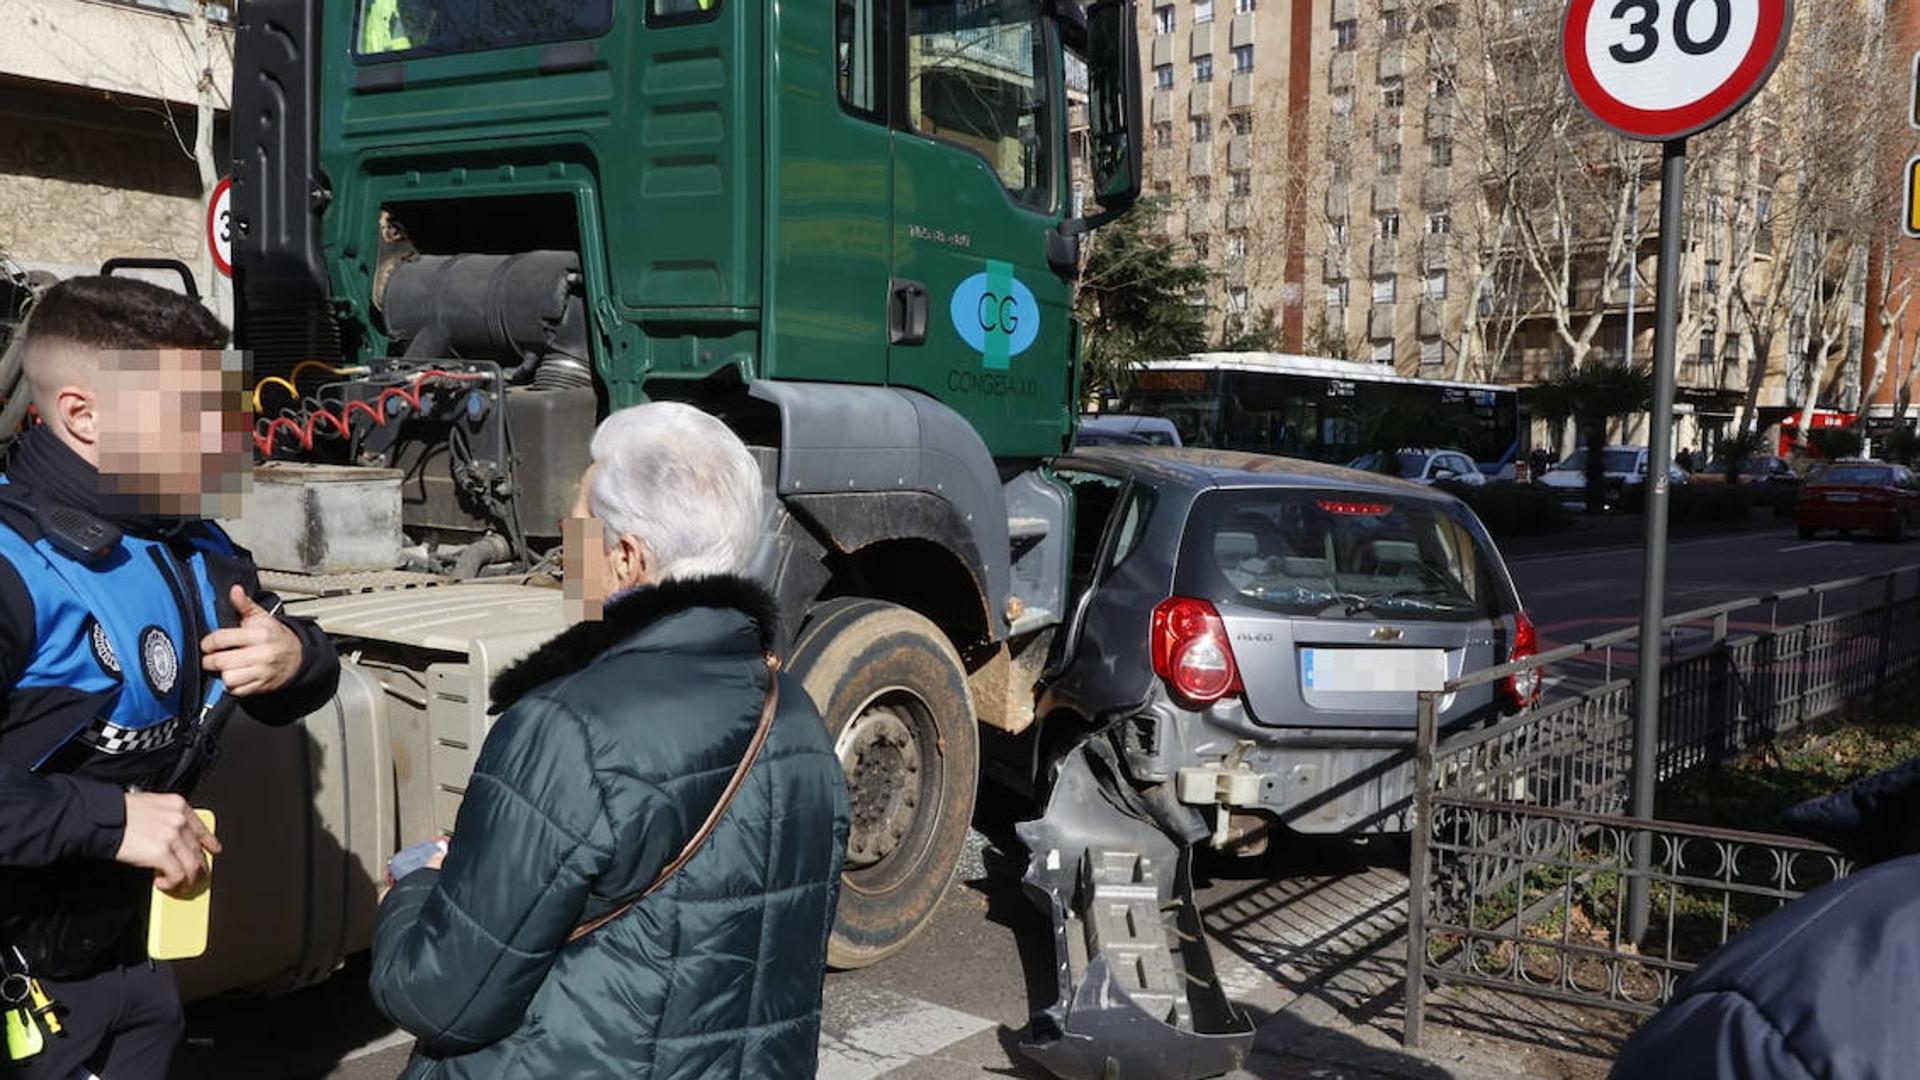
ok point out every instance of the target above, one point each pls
(103, 649)
(159, 660)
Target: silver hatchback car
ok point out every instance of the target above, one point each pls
(1257, 629)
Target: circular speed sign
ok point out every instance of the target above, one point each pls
(1659, 70)
(220, 226)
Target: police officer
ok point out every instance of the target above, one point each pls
(127, 623)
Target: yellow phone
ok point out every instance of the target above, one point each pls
(177, 927)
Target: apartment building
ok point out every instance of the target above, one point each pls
(1228, 95)
(97, 105)
(1402, 181)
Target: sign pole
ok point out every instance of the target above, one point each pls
(1646, 733)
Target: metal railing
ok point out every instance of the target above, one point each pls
(1524, 852)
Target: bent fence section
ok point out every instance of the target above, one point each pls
(1524, 851)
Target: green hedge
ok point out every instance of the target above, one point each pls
(1515, 509)
(1702, 504)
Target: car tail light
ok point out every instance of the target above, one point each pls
(1523, 687)
(1357, 509)
(1191, 651)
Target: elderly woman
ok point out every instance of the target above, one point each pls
(519, 956)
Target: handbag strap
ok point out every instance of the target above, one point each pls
(767, 709)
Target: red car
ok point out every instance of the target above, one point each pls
(1866, 495)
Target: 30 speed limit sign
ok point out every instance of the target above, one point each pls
(1660, 70)
(220, 226)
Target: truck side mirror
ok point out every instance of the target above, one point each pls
(1113, 105)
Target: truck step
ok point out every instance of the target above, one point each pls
(1027, 528)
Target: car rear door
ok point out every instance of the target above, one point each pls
(1342, 606)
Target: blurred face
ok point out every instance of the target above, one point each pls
(591, 570)
(169, 430)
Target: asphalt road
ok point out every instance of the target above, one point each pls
(953, 1003)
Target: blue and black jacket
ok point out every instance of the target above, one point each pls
(99, 677)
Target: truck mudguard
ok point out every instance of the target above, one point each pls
(844, 439)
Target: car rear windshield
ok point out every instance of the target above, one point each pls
(1339, 555)
(390, 29)
(1868, 475)
(1613, 461)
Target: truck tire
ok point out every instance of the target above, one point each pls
(894, 696)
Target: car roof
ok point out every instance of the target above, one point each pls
(1124, 422)
(1196, 468)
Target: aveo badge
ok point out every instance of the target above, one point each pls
(996, 314)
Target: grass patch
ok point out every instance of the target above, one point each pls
(1752, 791)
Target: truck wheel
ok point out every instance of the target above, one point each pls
(895, 700)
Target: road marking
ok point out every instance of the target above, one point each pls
(892, 1030)
(1595, 553)
(391, 1041)
(1810, 547)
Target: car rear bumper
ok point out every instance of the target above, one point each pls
(1842, 516)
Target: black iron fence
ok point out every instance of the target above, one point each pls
(1524, 851)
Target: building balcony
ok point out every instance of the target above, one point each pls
(1337, 200)
(1200, 159)
(1386, 129)
(1340, 71)
(1200, 41)
(1393, 60)
(1333, 266)
(1242, 30)
(1436, 187)
(1240, 152)
(1162, 50)
(1200, 100)
(1381, 320)
(1386, 194)
(1442, 50)
(1433, 321)
(1197, 219)
(1236, 270)
(1339, 130)
(1162, 106)
(1240, 90)
(1439, 120)
(1385, 258)
(1346, 10)
(1434, 251)
(1238, 214)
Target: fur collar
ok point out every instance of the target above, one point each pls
(583, 643)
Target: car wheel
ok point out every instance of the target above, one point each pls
(894, 696)
(1807, 532)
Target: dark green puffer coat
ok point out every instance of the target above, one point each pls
(617, 740)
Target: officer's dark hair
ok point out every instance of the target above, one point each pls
(116, 313)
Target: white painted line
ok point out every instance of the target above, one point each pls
(1810, 547)
(380, 1045)
(1597, 553)
(900, 1030)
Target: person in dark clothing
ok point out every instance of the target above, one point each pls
(129, 628)
(618, 739)
(1827, 986)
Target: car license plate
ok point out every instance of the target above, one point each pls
(1842, 496)
(1372, 671)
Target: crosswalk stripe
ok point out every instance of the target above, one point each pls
(888, 1031)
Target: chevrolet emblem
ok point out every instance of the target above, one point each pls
(1388, 633)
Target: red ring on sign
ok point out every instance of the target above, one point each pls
(1659, 125)
(213, 205)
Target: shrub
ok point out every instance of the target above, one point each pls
(1516, 509)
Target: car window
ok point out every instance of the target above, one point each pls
(1132, 526)
(1869, 475)
(1095, 497)
(1337, 555)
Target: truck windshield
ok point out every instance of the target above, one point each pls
(1338, 554)
(978, 77)
(391, 29)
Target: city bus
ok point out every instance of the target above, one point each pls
(1314, 407)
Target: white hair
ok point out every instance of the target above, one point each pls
(683, 484)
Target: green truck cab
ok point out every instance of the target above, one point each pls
(465, 231)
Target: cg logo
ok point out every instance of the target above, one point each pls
(995, 314)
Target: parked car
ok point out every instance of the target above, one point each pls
(1754, 470)
(1625, 467)
(1871, 496)
(1125, 429)
(1256, 630)
(1426, 466)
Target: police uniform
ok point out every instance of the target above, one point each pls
(101, 682)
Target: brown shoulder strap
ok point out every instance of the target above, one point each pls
(767, 709)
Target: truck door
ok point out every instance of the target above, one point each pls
(976, 317)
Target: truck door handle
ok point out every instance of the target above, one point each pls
(906, 312)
